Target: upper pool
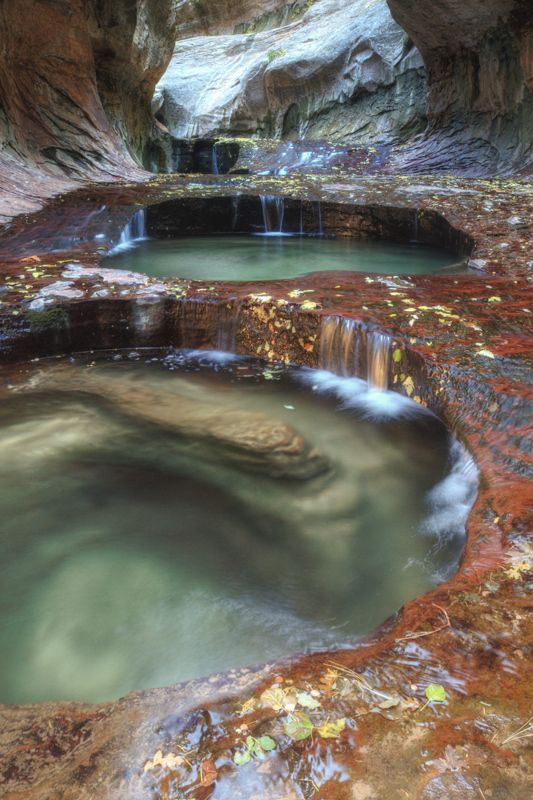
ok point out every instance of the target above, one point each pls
(273, 257)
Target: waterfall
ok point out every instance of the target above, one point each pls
(378, 357)
(214, 160)
(228, 328)
(348, 350)
(235, 201)
(415, 226)
(273, 209)
(133, 231)
(319, 210)
(339, 346)
(301, 218)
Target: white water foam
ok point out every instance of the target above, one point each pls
(357, 394)
(451, 500)
(204, 357)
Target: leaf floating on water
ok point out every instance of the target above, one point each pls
(306, 700)
(278, 699)
(308, 305)
(241, 757)
(298, 727)
(332, 730)
(247, 706)
(267, 743)
(494, 299)
(170, 761)
(397, 355)
(208, 773)
(486, 353)
(435, 693)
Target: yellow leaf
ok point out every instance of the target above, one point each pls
(332, 730)
(409, 386)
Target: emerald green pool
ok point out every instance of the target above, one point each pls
(274, 256)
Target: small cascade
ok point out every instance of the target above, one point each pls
(235, 202)
(378, 357)
(415, 227)
(228, 328)
(133, 231)
(214, 160)
(319, 214)
(340, 346)
(273, 209)
(349, 351)
(301, 218)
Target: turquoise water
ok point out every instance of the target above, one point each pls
(169, 515)
(263, 257)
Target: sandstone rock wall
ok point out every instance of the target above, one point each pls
(344, 71)
(479, 60)
(76, 79)
(203, 17)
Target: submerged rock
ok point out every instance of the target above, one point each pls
(252, 439)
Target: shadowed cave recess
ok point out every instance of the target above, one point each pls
(265, 325)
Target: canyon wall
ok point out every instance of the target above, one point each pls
(479, 61)
(76, 80)
(318, 70)
(352, 73)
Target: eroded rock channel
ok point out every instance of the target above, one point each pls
(265, 500)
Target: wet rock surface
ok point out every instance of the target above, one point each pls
(462, 343)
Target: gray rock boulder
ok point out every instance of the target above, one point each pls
(342, 71)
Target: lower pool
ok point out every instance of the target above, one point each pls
(167, 515)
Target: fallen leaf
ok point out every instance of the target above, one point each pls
(307, 700)
(332, 730)
(267, 743)
(208, 772)
(298, 727)
(435, 693)
(170, 761)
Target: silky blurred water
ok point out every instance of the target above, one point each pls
(271, 257)
(140, 547)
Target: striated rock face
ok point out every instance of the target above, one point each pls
(200, 17)
(76, 79)
(479, 60)
(338, 70)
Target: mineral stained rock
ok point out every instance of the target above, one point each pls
(478, 57)
(337, 70)
(76, 80)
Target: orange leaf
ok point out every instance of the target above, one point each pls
(208, 773)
